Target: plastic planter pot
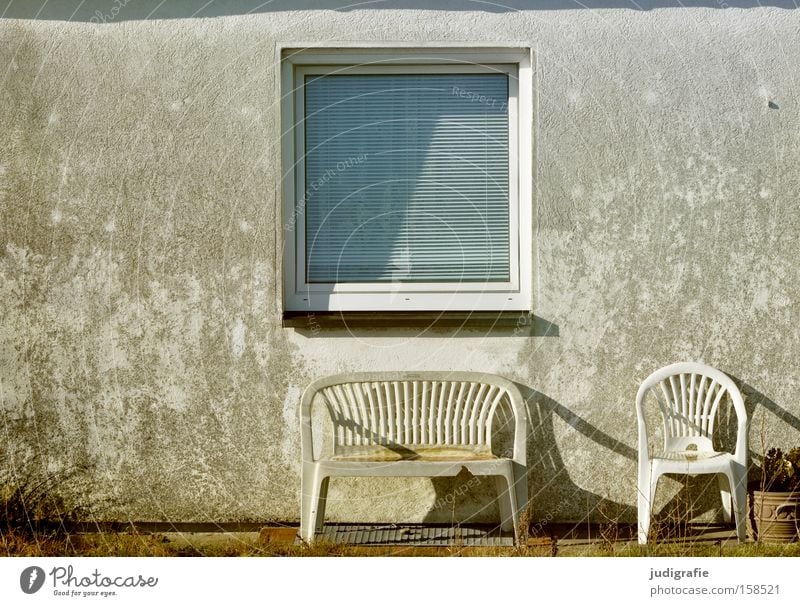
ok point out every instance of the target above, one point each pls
(774, 516)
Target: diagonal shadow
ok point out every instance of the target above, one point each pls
(755, 398)
(554, 496)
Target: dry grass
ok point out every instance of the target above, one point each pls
(38, 509)
(224, 545)
(246, 544)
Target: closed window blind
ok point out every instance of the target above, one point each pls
(406, 178)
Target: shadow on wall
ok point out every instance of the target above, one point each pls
(550, 480)
(108, 11)
(753, 399)
(554, 496)
(414, 325)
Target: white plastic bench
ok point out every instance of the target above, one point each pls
(425, 424)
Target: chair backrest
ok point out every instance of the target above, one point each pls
(415, 409)
(689, 395)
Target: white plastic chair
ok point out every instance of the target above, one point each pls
(689, 397)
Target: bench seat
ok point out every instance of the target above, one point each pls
(416, 453)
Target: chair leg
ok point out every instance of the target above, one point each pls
(310, 488)
(647, 490)
(738, 483)
(725, 493)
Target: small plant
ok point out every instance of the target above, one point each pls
(780, 472)
(775, 501)
(609, 529)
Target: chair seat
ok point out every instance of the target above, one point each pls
(692, 462)
(414, 453)
(688, 455)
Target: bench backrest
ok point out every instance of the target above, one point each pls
(415, 409)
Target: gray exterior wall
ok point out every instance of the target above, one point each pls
(140, 247)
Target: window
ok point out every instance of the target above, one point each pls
(407, 180)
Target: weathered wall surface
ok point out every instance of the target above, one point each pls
(141, 323)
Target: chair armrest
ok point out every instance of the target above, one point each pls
(741, 452)
(521, 435)
(643, 446)
(306, 440)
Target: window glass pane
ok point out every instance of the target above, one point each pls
(406, 178)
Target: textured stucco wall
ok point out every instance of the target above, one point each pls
(139, 288)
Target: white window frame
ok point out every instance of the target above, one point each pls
(417, 296)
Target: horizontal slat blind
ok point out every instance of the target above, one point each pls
(406, 178)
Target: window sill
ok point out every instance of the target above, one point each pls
(522, 323)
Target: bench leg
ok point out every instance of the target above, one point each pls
(311, 489)
(321, 502)
(521, 493)
(507, 503)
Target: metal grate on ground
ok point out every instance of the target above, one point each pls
(426, 535)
